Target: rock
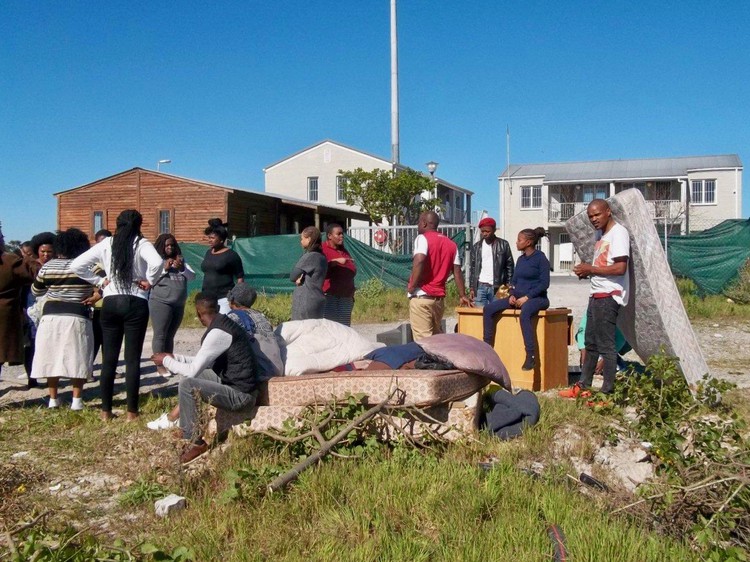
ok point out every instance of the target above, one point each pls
(167, 505)
(627, 461)
(718, 336)
(19, 454)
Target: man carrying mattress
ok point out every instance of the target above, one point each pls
(224, 372)
(609, 292)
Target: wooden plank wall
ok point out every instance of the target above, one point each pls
(190, 204)
(76, 208)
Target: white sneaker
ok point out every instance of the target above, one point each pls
(77, 404)
(162, 422)
(53, 403)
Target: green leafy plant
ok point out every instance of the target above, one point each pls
(698, 446)
(141, 492)
(44, 545)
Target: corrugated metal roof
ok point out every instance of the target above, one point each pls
(623, 169)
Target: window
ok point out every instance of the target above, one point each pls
(591, 192)
(98, 221)
(531, 197)
(703, 192)
(312, 189)
(165, 222)
(340, 183)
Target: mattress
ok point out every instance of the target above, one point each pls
(449, 420)
(420, 387)
(654, 316)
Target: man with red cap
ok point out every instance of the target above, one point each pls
(491, 264)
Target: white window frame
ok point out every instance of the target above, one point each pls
(340, 183)
(702, 185)
(530, 192)
(94, 216)
(160, 224)
(313, 188)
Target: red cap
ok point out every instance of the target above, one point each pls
(487, 221)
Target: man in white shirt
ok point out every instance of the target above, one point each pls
(224, 372)
(609, 291)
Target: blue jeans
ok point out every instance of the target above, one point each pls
(530, 309)
(485, 295)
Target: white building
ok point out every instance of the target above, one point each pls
(685, 194)
(312, 174)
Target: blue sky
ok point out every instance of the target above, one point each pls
(90, 89)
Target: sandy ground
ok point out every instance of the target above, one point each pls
(725, 347)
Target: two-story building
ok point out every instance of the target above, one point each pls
(312, 174)
(685, 194)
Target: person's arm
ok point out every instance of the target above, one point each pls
(417, 263)
(84, 265)
(510, 267)
(187, 271)
(239, 269)
(417, 268)
(459, 277)
(215, 343)
(299, 269)
(542, 283)
(39, 286)
(154, 263)
(619, 267)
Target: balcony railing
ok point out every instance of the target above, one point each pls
(672, 210)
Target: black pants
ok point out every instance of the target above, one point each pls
(122, 316)
(601, 323)
(97, 325)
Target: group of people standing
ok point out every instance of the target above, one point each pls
(81, 297)
(497, 283)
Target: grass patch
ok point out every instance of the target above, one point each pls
(392, 504)
(709, 306)
(374, 303)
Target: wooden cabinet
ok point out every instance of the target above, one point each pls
(553, 335)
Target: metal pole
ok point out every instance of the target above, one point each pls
(395, 158)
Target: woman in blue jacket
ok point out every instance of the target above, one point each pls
(528, 292)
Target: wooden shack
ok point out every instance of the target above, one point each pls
(182, 206)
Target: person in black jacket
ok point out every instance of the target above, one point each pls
(491, 264)
(224, 372)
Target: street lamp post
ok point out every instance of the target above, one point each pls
(160, 162)
(431, 167)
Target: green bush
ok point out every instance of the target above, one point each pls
(739, 291)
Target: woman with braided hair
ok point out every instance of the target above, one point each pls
(132, 265)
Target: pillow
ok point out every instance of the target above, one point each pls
(318, 345)
(468, 354)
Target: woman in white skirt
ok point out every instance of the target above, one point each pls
(65, 337)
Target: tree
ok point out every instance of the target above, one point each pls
(12, 245)
(402, 195)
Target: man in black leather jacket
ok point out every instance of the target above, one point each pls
(485, 277)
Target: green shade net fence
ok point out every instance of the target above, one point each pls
(711, 258)
(268, 261)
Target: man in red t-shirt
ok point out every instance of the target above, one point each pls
(434, 254)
